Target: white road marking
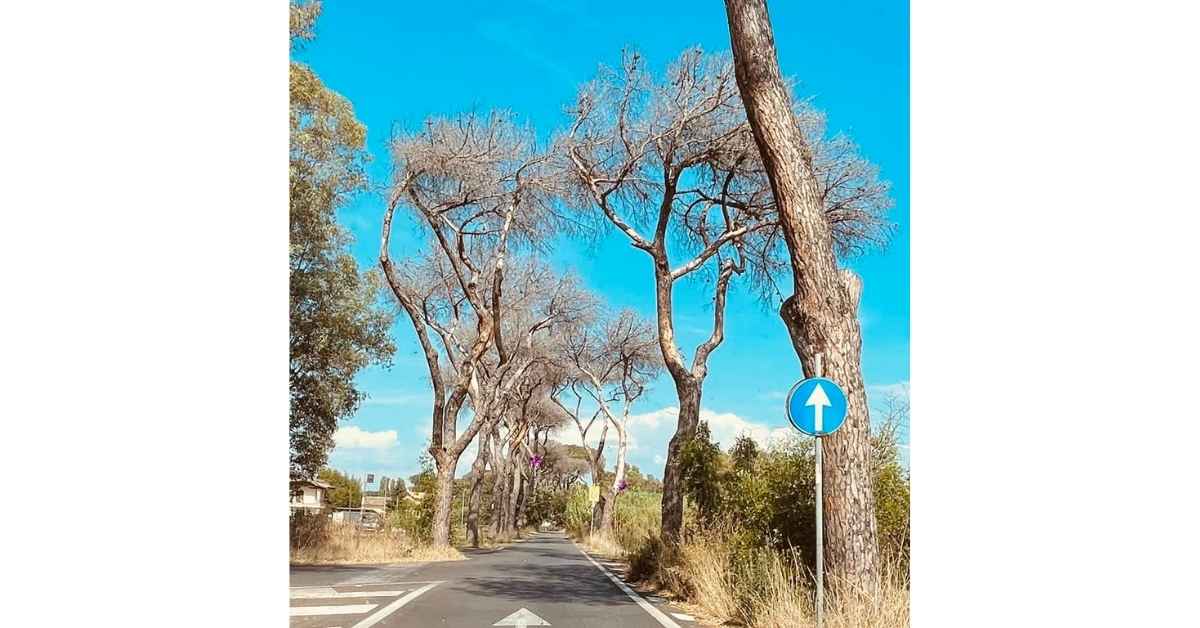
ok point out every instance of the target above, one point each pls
(364, 584)
(344, 609)
(329, 592)
(394, 606)
(646, 606)
(683, 617)
(522, 618)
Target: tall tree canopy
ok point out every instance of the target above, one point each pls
(337, 325)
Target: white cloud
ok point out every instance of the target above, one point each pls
(653, 419)
(725, 426)
(354, 437)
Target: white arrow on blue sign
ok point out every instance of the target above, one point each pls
(816, 406)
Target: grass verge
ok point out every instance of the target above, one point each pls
(323, 543)
(722, 578)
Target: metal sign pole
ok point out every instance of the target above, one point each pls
(816, 406)
(820, 519)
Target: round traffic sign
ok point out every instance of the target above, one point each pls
(816, 406)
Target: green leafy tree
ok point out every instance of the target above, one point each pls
(700, 467)
(744, 453)
(396, 493)
(337, 325)
(425, 484)
(346, 492)
(635, 480)
(890, 480)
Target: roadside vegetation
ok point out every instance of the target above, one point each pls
(747, 554)
(315, 539)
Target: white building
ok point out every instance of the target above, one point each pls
(309, 495)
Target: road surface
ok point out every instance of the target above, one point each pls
(545, 580)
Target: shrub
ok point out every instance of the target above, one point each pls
(771, 493)
(638, 517)
(700, 467)
(578, 513)
(307, 529)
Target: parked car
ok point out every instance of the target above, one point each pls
(371, 521)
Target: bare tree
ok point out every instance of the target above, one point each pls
(572, 406)
(478, 470)
(821, 315)
(612, 361)
(630, 346)
(479, 187)
(649, 156)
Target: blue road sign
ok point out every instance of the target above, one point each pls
(816, 406)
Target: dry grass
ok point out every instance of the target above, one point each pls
(604, 545)
(786, 602)
(722, 579)
(337, 544)
(709, 578)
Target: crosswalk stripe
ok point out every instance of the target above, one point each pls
(329, 592)
(394, 606)
(344, 609)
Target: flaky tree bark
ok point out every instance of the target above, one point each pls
(822, 314)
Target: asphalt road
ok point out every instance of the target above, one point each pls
(542, 581)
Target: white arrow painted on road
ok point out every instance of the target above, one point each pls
(521, 619)
(818, 401)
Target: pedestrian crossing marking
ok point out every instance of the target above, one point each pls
(330, 592)
(340, 609)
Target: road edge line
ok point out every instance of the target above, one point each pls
(394, 606)
(646, 606)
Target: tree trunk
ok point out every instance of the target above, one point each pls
(522, 502)
(597, 513)
(499, 497)
(688, 392)
(597, 481)
(445, 495)
(510, 515)
(822, 314)
(478, 468)
(608, 513)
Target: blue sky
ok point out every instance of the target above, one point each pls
(399, 63)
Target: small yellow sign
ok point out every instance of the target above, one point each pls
(594, 494)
